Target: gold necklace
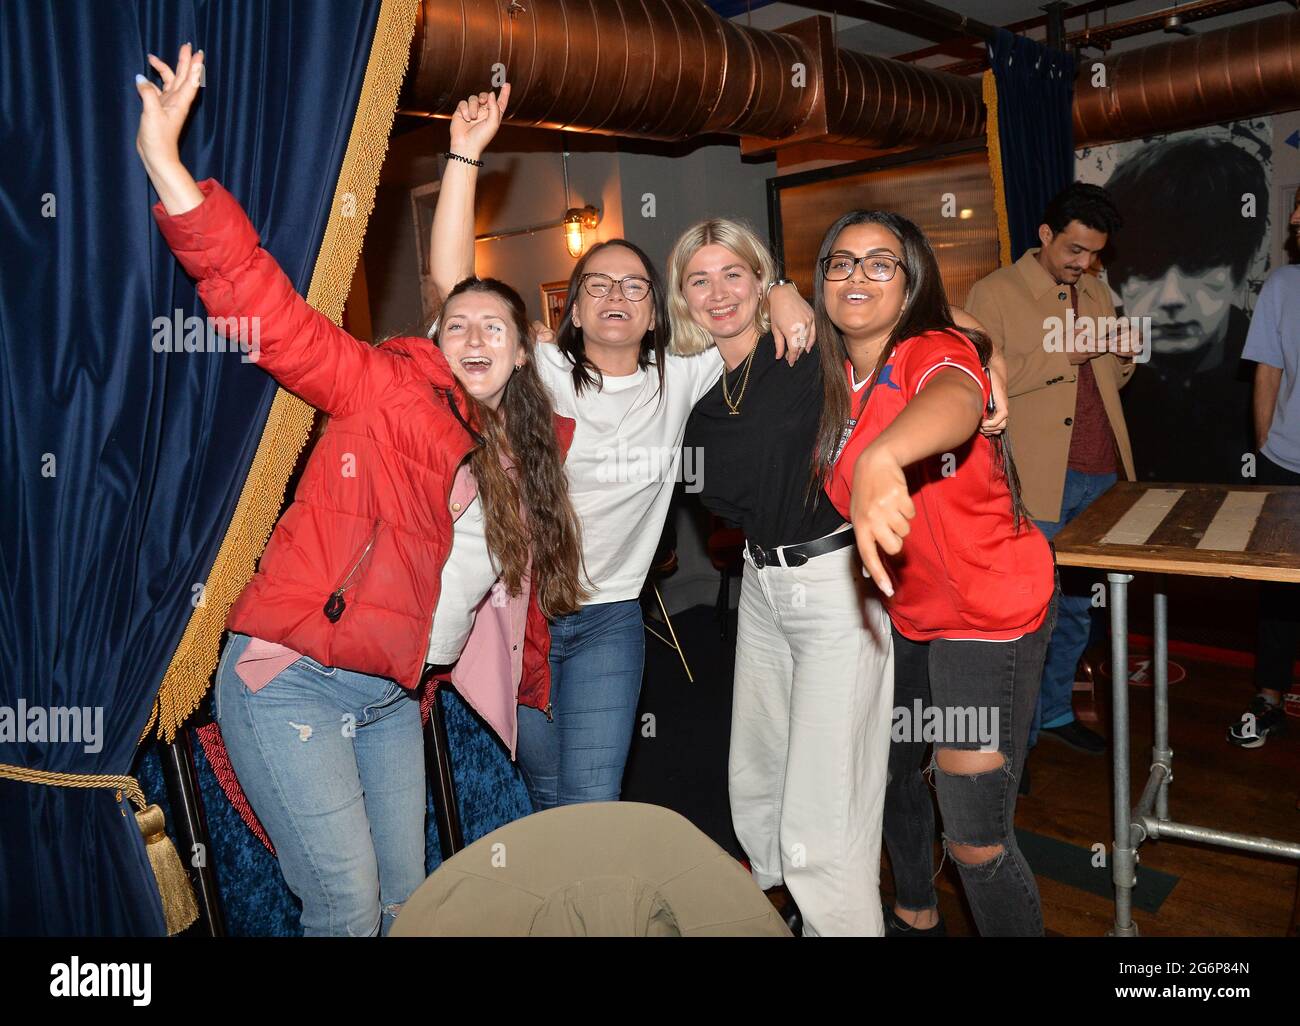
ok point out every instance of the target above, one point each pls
(734, 408)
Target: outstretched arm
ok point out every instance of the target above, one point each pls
(939, 418)
(244, 290)
(451, 246)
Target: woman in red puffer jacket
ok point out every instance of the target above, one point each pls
(432, 525)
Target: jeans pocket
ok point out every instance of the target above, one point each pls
(218, 677)
(382, 704)
(1054, 604)
(307, 662)
(233, 641)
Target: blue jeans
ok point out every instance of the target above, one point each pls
(332, 762)
(1073, 614)
(597, 661)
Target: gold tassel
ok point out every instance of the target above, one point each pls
(180, 908)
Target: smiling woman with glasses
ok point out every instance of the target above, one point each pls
(972, 598)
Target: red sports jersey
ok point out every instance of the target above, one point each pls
(964, 571)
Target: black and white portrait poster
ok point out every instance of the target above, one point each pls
(1189, 262)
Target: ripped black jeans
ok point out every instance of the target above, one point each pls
(964, 695)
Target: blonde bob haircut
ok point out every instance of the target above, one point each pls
(689, 337)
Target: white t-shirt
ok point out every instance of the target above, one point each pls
(625, 458)
(467, 577)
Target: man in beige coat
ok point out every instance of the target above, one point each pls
(1067, 429)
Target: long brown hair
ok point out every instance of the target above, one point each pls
(527, 511)
(925, 309)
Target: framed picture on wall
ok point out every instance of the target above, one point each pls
(424, 198)
(555, 294)
(1195, 294)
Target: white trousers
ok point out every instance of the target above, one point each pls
(810, 721)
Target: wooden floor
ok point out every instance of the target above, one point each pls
(1219, 892)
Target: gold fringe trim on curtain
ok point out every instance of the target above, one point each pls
(290, 420)
(994, 140)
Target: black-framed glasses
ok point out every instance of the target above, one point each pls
(634, 287)
(876, 266)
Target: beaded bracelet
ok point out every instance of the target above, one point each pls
(467, 160)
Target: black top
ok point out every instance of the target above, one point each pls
(1210, 409)
(756, 463)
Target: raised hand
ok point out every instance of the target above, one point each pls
(451, 243)
(996, 422)
(541, 334)
(163, 111)
(162, 116)
(476, 121)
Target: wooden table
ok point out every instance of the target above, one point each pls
(1237, 531)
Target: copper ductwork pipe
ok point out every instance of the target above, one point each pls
(673, 69)
(1242, 71)
(884, 103)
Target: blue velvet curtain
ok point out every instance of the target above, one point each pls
(1035, 128)
(122, 464)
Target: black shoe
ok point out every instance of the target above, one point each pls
(1256, 723)
(1024, 778)
(895, 927)
(1077, 736)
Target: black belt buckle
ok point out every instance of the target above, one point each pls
(761, 557)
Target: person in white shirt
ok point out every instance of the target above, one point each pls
(611, 373)
(1273, 343)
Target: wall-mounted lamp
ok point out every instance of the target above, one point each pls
(576, 221)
